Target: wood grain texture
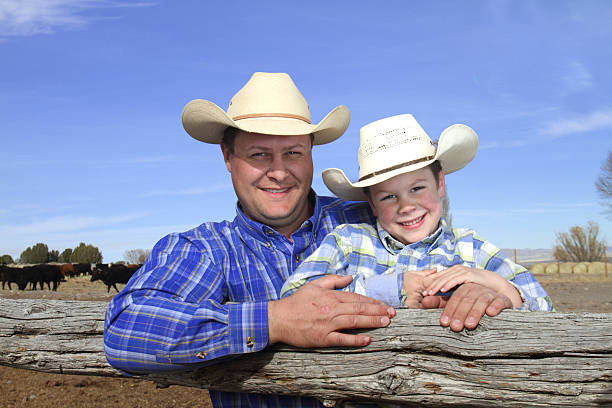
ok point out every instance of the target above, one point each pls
(513, 360)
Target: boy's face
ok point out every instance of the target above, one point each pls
(409, 205)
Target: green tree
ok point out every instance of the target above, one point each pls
(6, 259)
(85, 253)
(39, 253)
(604, 183)
(65, 255)
(53, 255)
(579, 244)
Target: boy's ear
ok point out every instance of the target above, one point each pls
(441, 185)
(372, 206)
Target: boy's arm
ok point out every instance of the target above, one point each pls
(488, 256)
(333, 257)
(329, 258)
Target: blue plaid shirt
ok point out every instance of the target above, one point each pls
(378, 262)
(203, 294)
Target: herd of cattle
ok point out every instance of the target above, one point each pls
(33, 276)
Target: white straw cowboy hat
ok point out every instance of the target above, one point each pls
(397, 145)
(269, 103)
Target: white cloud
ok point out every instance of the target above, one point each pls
(579, 124)
(216, 188)
(577, 77)
(64, 224)
(31, 17)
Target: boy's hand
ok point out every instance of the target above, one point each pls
(467, 305)
(415, 283)
(445, 280)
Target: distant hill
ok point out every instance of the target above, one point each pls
(526, 256)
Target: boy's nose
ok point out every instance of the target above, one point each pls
(406, 206)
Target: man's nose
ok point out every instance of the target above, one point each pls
(278, 169)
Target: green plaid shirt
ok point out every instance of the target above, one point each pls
(378, 262)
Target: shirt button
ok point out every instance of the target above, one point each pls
(268, 231)
(268, 244)
(201, 355)
(297, 258)
(249, 342)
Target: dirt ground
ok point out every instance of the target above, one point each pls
(25, 388)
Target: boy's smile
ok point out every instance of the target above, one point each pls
(409, 205)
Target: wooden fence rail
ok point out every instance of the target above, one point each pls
(516, 359)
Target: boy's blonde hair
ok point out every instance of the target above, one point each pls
(435, 168)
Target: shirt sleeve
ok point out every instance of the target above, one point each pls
(329, 258)
(337, 255)
(488, 256)
(173, 313)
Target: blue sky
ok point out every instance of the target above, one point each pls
(91, 93)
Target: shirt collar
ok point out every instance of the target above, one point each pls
(264, 232)
(394, 246)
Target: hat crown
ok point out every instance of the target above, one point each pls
(268, 94)
(392, 141)
(268, 104)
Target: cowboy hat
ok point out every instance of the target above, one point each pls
(396, 145)
(269, 103)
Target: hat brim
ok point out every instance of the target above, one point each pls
(206, 122)
(456, 148)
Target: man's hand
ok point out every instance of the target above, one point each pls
(314, 315)
(467, 305)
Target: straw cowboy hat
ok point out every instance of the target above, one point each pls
(397, 145)
(269, 103)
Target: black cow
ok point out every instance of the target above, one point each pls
(43, 273)
(113, 274)
(82, 269)
(50, 274)
(13, 275)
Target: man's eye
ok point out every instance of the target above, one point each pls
(258, 155)
(294, 154)
(417, 188)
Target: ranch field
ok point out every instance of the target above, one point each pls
(25, 388)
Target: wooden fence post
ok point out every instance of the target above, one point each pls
(504, 362)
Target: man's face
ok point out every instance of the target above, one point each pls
(272, 177)
(409, 205)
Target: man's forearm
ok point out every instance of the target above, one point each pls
(157, 334)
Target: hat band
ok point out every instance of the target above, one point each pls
(397, 166)
(272, 115)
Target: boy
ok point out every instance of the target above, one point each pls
(411, 253)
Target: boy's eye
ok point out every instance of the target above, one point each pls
(388, 197)
(417, 188)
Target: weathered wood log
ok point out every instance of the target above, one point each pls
(513, 360)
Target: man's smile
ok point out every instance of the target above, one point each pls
(275, 190)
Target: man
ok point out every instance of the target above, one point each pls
(213, 291)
